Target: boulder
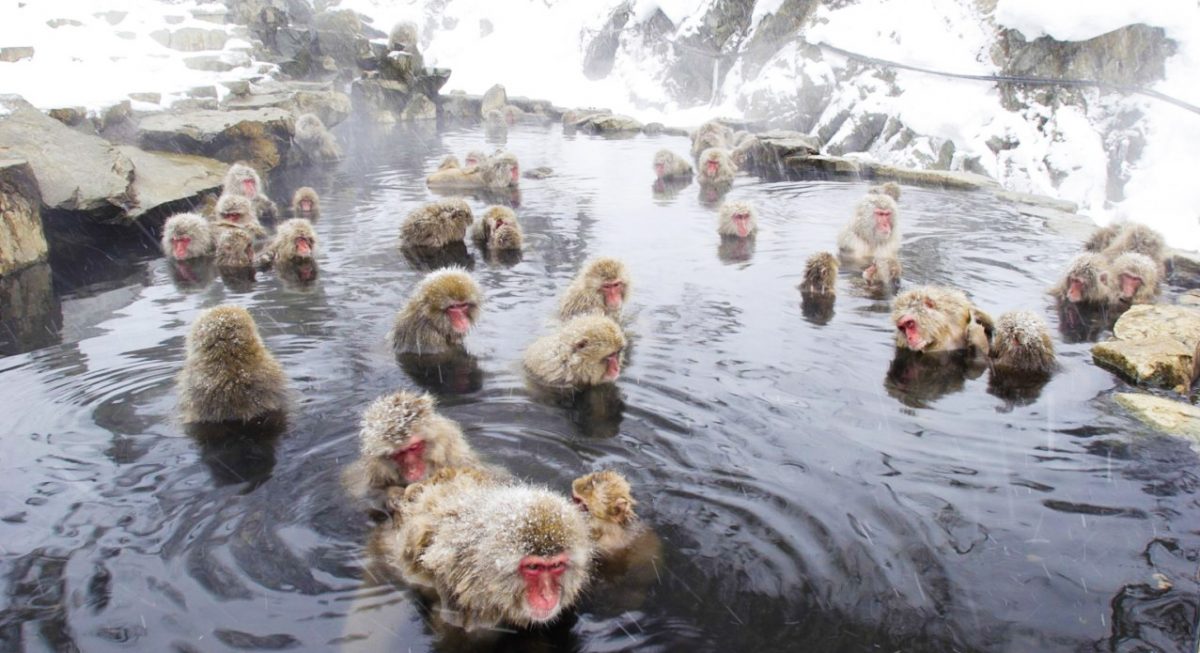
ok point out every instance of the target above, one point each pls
(165, 178)
(340, 35)
(857, 133)
(767, 153)
(69, 116)
(600, 53)
(460, 106)
(1190, 298)
(224, 62)
(1039, 201)
(152, 98)
(260, 137)
(1185, 269)
(191, 39)
(74, 171)
(22, 242)
(1154, 345)
(331, 106)
(494, 98)
(938, 178)
(419, 108)
(817, 166)
(379, 100)
(609, 124)
(1166, 415)
(30, 312)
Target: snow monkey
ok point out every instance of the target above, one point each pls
(436, 224)
(186, 236)
(737, 220)
(244, 180)
(497, 172)
(449, 162)
(711, 134)
(872, 232)
(1087, 281)
(237, 211)
(820, 275)
(602, 286)
(498, 229)
(607, 500)
(314, 140)
(306, 203)
(1021, 346)
(585, 351)
(883, 274)
(891, 189)
(442, 309)
(403, 440)
(668, 166)
(229, 375)
(497, 553)
(474, 158)
(1135, 277)
(295, 243)
(716, 168)
(1132, 237)
(234, 248)
(936, 318)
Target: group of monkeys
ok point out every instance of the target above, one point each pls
(491, 549)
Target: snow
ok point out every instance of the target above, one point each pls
(1080, 20)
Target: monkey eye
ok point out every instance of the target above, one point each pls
(558, 566)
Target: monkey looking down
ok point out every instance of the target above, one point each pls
(314, 140)
(1135, 277)
(187, 236)
(442, 309)
(820, 275)
(436, 224)
(228, 375)
(306, 203)
(738, 220)
(234, 248)
(883, 274)
(605, 497)
(243, 180)
(602, 286)
(498, 229)
(872, 232)
(403, 440)
(935, 318)
(1021, 345)
(668, 166)
(585, 351)
(495, 552)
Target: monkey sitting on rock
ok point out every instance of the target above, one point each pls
(314, 141)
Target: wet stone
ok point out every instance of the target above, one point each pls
(1166, 415)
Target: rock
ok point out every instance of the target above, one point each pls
(609, 124)
(1160, 320)
(496, 98)
(202, 92)
(768, 153)
(112, 17)
(379, 100)
(1163, 362)
(331, 106)
(1053, 203)
(217, 63)
(1184, 269)
(69, 116)
(56, 23)
(162, 178)
(1166, 415)
(211, 13)
(152, 98)
(193, 104)
(857, 133)
(419, 108)
(191, 39)
(819, 166)
(22, 242)
(1190, 298)
(938, 178)
(14, 54)
(340, 35)
(601, 52)
(74, 171)
(543, 107)
(400, 66)
(260, 137)
(31, 317)
(653, 128)
(541, 172)
(460, 106)
(237, 87)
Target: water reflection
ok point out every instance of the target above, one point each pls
(736, 250)
(817, 309)
(239, 452)
(454, 372)
(30, 313)
(193, 274)
(919, 379)
(434, 258)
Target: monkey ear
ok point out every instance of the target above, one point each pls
(580, 344)
(620, 508)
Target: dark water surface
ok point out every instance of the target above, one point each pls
(805, 502)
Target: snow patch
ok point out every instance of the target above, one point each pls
(1080, 20)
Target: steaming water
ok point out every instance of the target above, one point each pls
(804, 501)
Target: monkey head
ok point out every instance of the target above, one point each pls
(474, 158)
(1135, 277)
(305, 202)
(224, 332)
(875, 218)
(596, 345)
(502, 170)
(1087, 280)
(308, 124)
(664, 163)
(605, 496)
(186, 236)
(715, 165)
(1021, 343)
(450, 300)
(548, 552)
(738, 219)
(243, 180)
(235, 209)
(820, 274)
(1140, 239)
(235, 248)
(607, 278)
(458, 212)
(925, 317)
(400, 428)
(297, 240)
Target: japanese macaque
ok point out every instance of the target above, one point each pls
(1021, 346)
(295, 243)
(1102, 238)
(1135, 277)
(494, 121)
(883, 274)
(585, 351)
(495, 552)
(1139, 239)
(1087, 281)
(748, 152)
(442, 309)
(237, 211)
(187, 236)
(474, 158)
(716, 168)
(403, 440)
(229, 375)
(403, 37)
(235, 248)
(314, 140)
(872, 232)
(891, 189)
(668, 166)
(450, 162)
(608, 502)
(820, 275)
(738, 220)
(711, 134)
(498, 229)
(497, 172)
(602, 286)
(244, 180)
(436, 224)
(306, 203)
(935, 319)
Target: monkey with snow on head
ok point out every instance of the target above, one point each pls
(229, 375)
(436, 224)
(585, 351)
(737, 220)
(716, 168)
(820, 275)
(314, 140)
(442, 309)
(187, 236)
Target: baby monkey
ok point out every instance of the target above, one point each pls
(607, 500)
(737, 220)
(228, 375)
(602, 286)
(820, 275)
(306, 203)
(237, 211)
(584, 352)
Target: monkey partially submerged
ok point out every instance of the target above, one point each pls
(1087, 282)
(820, 275)
(737, 220)
(403, 440)
(1135, 277)
(295, 243)
(436, 224)
(602, 286)
(495, 552)
(711, 134)
(872, 232)
(883, 275)
(934, 319)
(229, 375)
(585, 351)
(237, 211)
(442, 309)
(187, 236)
(498, 230)
(306, 203)
(716, 168)
(243, 180)
(314, 140)
(668, 166)
(497, 172)
(234, 250)
(1022, 356)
